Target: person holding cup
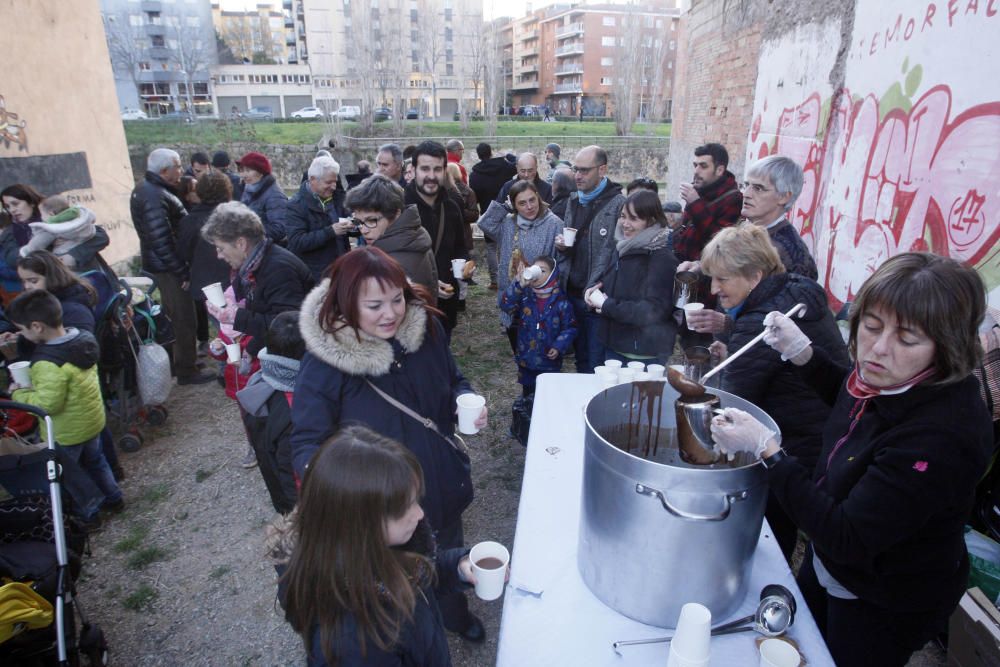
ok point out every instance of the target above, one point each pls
(377, 354)
(906, 442)
(524, 228)
(358, 558)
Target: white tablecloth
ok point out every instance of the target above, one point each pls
(550, 617)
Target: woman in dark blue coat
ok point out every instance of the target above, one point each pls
(263, 195)
(373, 333)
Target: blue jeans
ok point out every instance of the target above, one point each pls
(91, 457)
(586, 345)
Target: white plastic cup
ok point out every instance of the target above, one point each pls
(693, 308)
(643, 376)
(625, 375)
(778, 653)
(613, 363)
(233, 353)
(215, 295)
(457, 265)
(490, 581)
(656, 370)
(637, 366)
(19, 372)
(569, 236)
(677, 660)
(606, 377)
(531, 273)
(469, 408)
(692, 639)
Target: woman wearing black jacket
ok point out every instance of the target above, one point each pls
(750, 281)
(633, 294)
(906, 442)
(212, 189)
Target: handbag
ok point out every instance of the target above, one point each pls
(455, 440)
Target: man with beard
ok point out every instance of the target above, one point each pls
(442, 218)
(713, 201)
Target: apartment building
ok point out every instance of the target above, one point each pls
(161, 54)
(255, 34)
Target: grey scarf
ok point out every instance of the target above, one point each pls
(640, 240)
(279, 372)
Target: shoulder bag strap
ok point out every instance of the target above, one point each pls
(440, 234)
(455, 441)
(727, 193)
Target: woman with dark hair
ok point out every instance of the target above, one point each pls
(633, 294)
(41, 270)
(524, 228)
(907, 440)
(377, 355)
(186, 190)
(359, 562)
(212, 189)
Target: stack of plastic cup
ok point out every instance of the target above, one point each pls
(625, 375)
(606, 377)
(637, 366)
(655, 370)
(613, 363)
(642, 376)
(691, 645)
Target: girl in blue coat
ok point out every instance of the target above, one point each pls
(546, 326)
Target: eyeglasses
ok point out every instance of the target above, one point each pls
(584, 170)
(757, 188)
(370, 223)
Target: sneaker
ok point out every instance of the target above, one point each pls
(493, 287)
(115, 507)
(197, 378)
(249, 459)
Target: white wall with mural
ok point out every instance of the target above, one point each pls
(907, 155)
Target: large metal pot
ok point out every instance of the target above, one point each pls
(655, 532)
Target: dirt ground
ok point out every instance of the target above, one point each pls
(180, 577)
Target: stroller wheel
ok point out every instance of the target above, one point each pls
(93, 646)
(130, 442)
(156, 415)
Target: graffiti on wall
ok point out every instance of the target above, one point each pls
(13, 128)
(908, 169)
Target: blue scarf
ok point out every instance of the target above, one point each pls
(587, 197)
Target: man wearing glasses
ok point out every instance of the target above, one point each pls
(593, 212)
(713, 201)
(315, 232)
(527, 170)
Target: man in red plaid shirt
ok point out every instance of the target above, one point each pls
(713, 201)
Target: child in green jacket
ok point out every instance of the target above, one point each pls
(64, 383)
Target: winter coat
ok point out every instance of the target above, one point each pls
(792, 250)
(281, 282)
(775, 386)
(488, 178)
(84, 253)
(62, 232)
(559, 203)
(718, 206)
(309, 229)
(156, 213)
(452, 244)
(637, 317)
(533, 242)
(595, 224)
(407, 242)
(236, 375)
(65, 384)
(544, 189)
(540, 329)
(77, 313)
(415, 367)
(269, 202)
(200, 255)
(887, 503)
(467, 203)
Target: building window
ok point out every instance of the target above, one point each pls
(158, 41)
(609, 21)
(607, 62)
(673, 25)
(670, 65)
(673, 45)
(606, 81)
(447, 13)
(449, 70)
(659, 24)
(144, 66)
(608, 40)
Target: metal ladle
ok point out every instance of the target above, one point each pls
(774, 615)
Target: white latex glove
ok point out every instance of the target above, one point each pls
(736, 431)
(784, 335)
(597, 299)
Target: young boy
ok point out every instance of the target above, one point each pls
(547, 327)
(65, 384)
(266, 402)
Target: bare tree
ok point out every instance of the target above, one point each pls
(493, 71)
(240, 35)
(475, 60)
(627, 80)
(125, 46)
(432, 48)
(189, 51)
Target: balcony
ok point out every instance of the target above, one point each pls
(569, 30)
(527, 84)
(575, 87)
(574, 68)
(159, 53)
(289, 21)
(155, 30)
(528, 36)
(290, 39)
(569, 49)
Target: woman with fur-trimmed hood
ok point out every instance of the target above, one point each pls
(370, 337)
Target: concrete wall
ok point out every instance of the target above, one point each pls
(60, 129)
(893, 109)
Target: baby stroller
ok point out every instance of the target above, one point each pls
(39, 558)
(127, 318)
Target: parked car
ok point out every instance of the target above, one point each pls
(258, 113)
(347, 113)
(381, 113)
(134, 114)
(308, 112)
(412, 114)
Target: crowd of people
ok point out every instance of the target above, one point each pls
(343, 300)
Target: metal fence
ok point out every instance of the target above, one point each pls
(518, 143)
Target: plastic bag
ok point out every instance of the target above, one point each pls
(984, 561)
(153, 374)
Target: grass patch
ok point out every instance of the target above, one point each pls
(136, 536)
(147, 556)
(219, 571)
(200, 475)
(156, 493)
(141, 599)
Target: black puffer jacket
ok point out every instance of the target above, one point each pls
(488, 177)
(409, 244)
(775, 386)
(269, 202)
(637, 317)
(156, 213)
(206, 267)
(281, 282)
(309, 229)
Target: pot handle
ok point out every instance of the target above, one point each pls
(729, 499)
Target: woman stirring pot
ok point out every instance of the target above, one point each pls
(907, 440)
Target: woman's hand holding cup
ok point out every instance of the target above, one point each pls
(706, 321)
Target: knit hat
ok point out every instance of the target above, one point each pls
(255, 161)
(220, 160)
(555, 148)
